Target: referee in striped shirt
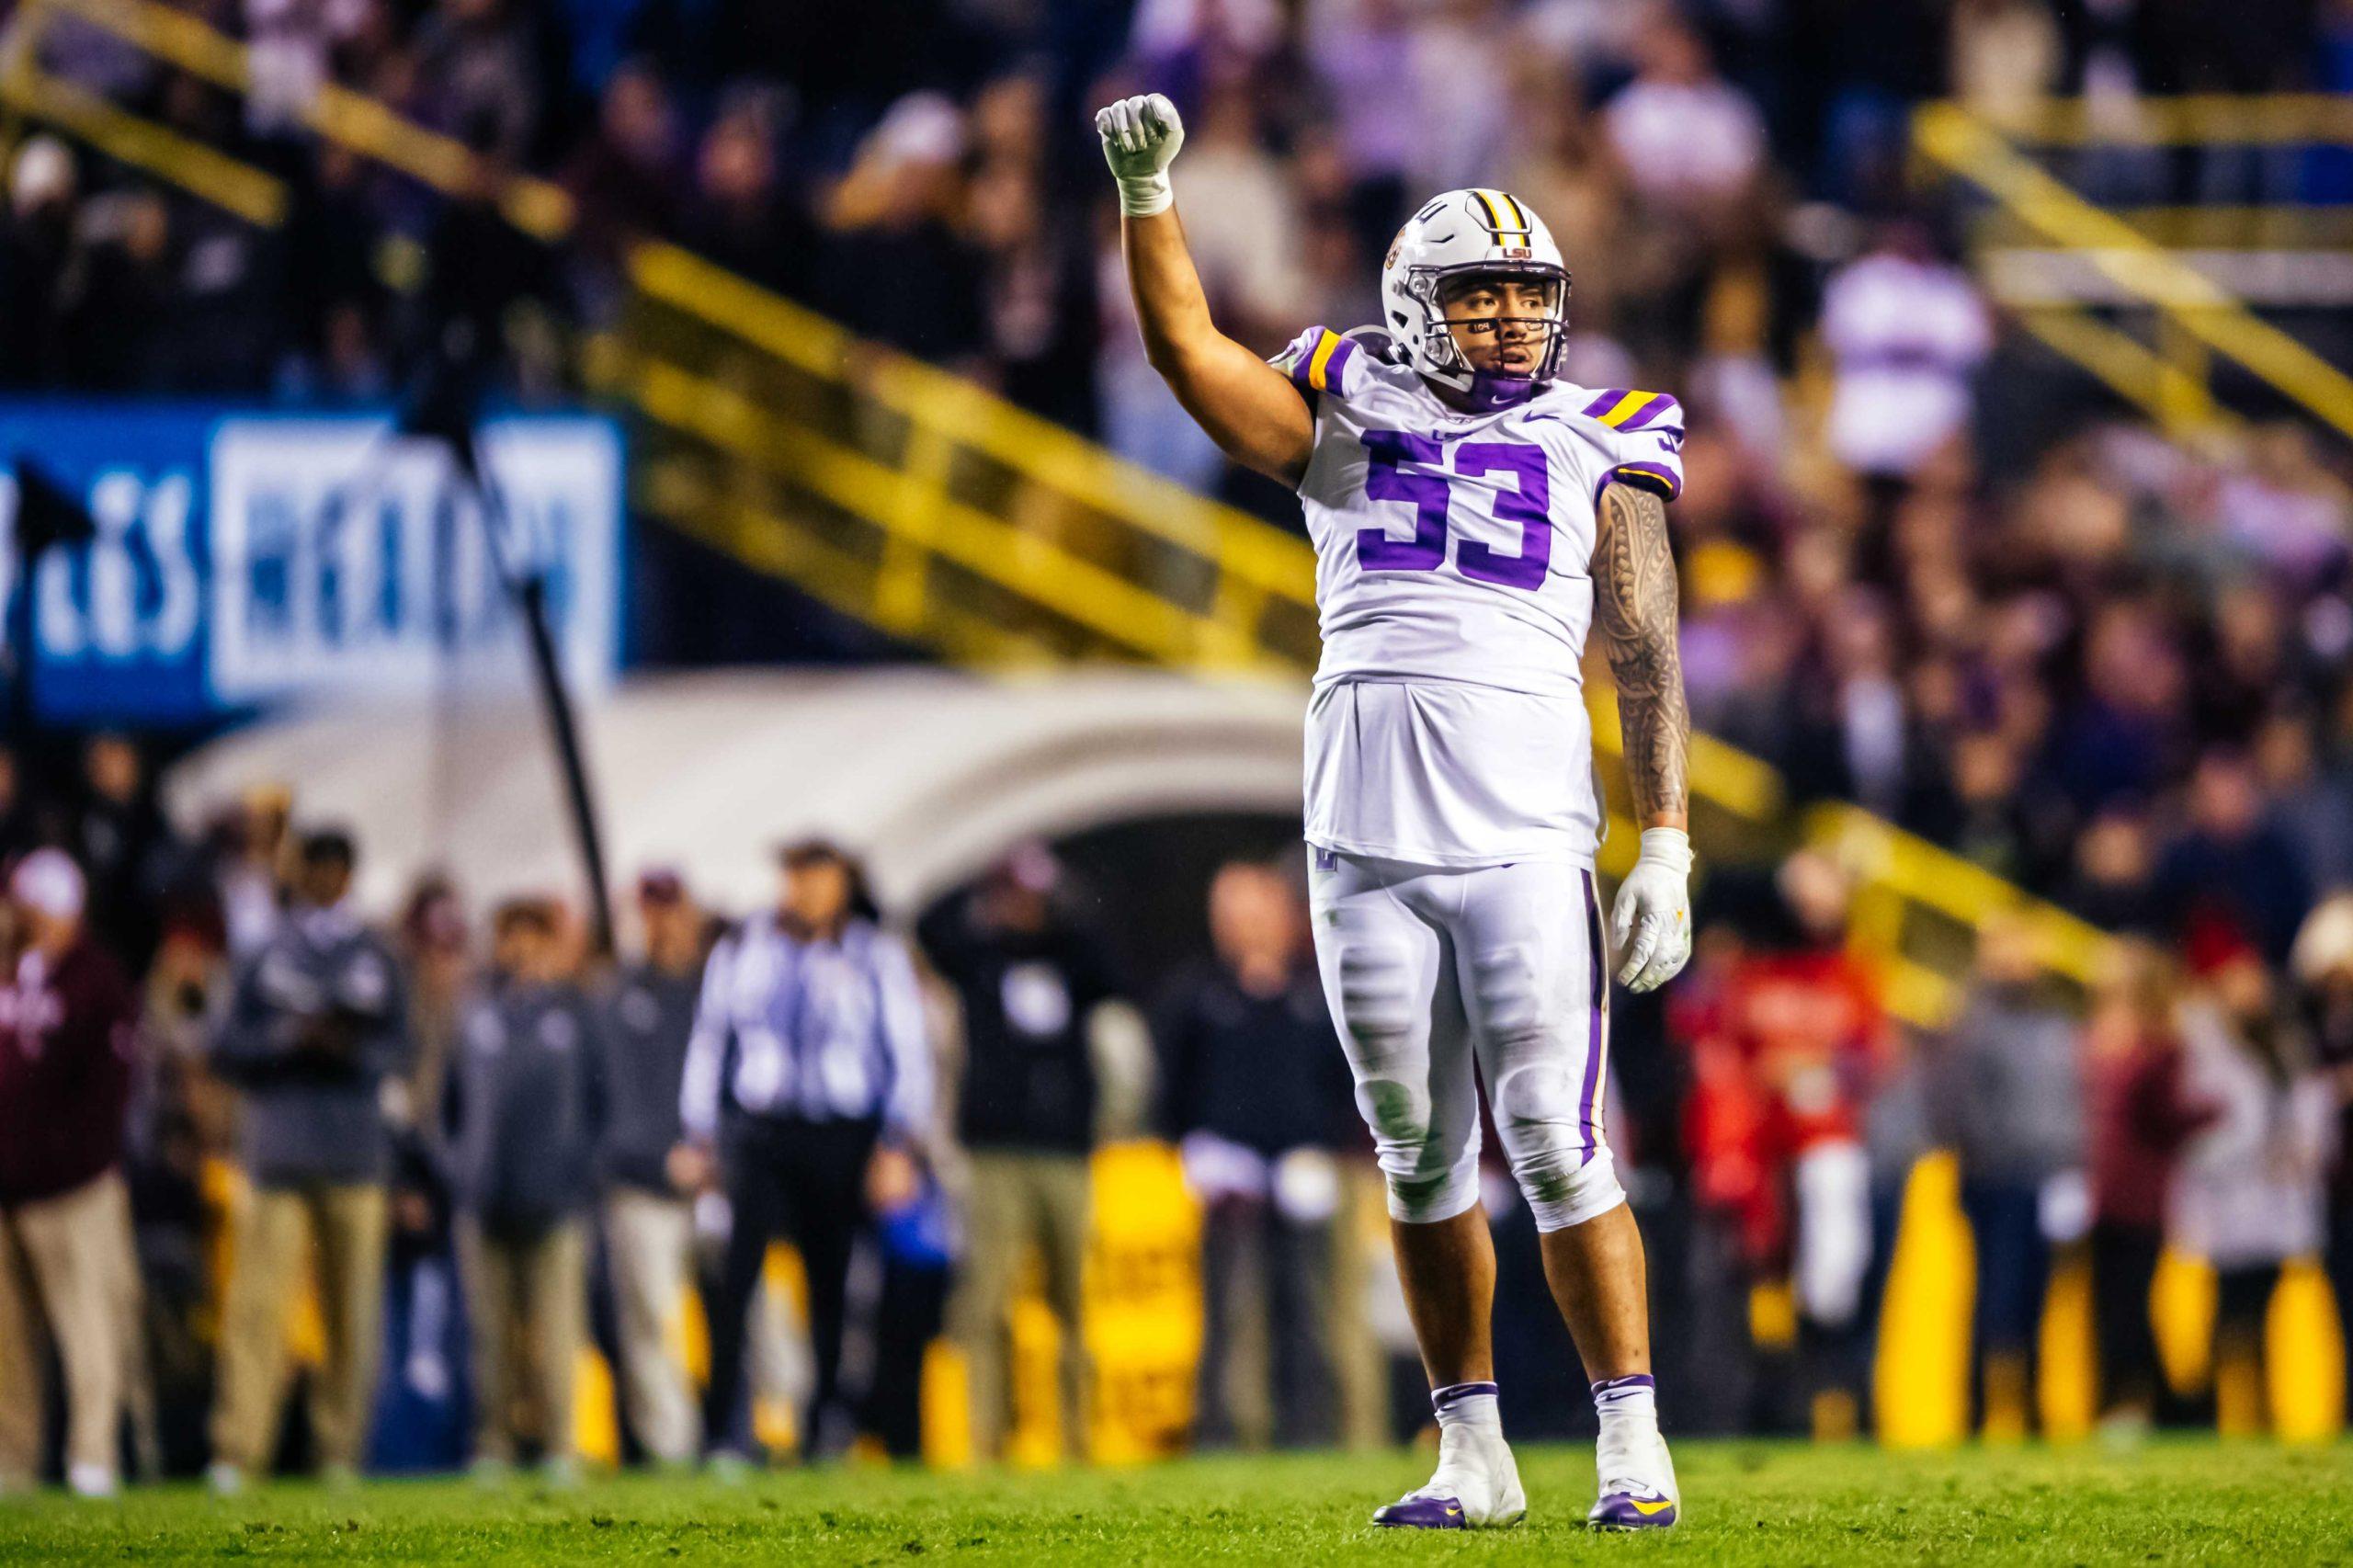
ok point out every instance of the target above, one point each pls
(809, 1079)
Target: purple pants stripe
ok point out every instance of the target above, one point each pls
(1596, 1040)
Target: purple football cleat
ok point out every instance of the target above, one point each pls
(1421, 1512)
(1475, 1486)
(1632, 1511)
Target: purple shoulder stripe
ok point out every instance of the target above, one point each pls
(1302, 357)
(1604, 402)
(1658, 407)
(1335, 372)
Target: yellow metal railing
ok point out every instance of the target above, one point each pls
(1917, 909)
(237, 188)
(26, 91)
(921, 487)
(2202, 315)
(2210, 226)
(338, 113)
(2186, 120)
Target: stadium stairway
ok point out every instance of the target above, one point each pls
(921, 504)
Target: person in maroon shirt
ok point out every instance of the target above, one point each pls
(2140, 1117)
(66, 1040)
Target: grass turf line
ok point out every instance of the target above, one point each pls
(2175, 1502)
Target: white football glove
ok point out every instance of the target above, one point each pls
(1140, 136)
(1653, 910)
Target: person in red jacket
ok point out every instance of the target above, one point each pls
(2140, 1116)
(1783, 1059)
(66, 1041)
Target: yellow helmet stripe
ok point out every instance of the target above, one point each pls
(1495, 219)
(1321, 360)
(1519, 212)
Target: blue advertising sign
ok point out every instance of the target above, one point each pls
(244, 560)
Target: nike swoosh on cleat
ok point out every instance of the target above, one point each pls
(1625, 1511)
(1423, 1512)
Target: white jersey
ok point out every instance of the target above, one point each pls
(1453, 588)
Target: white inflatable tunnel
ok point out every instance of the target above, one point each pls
(929, 774)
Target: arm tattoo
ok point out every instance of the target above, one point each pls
(1635, 594)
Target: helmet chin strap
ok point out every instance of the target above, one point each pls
(1484, 392)
(1481, 391)
(1489, 391)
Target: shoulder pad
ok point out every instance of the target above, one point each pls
(1627, 410)
(1639, 434)
(1379, 345)
(1318, 360)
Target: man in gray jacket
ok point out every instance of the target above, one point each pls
(315, 1026)
(526, 1109)
(649, 1016)
(2007, 1094)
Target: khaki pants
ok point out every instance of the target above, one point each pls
(1359, 1366)
(527, 1299)
(650, 1242)
(126, 1289)
(337, 1235)
(65, 1255)
(1017, 1199)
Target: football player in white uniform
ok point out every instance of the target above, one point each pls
(1473, 515)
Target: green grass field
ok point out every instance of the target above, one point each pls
(1749, 1503)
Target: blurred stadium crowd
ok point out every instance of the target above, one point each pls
(1923, 573)
(475, 1148)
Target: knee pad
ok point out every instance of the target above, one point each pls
(1551, 1132)
(1562, 1192)
(1427, 1182)
(1378, 1005)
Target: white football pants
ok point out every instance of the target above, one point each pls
(1431, 972)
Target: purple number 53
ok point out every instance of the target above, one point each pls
(1528, 504)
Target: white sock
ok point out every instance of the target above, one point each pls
(1628, 1406)
(90, 1480)
(1470, 1405)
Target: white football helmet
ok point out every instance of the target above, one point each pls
(1463, 233)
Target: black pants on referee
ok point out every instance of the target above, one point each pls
(803, 1181)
